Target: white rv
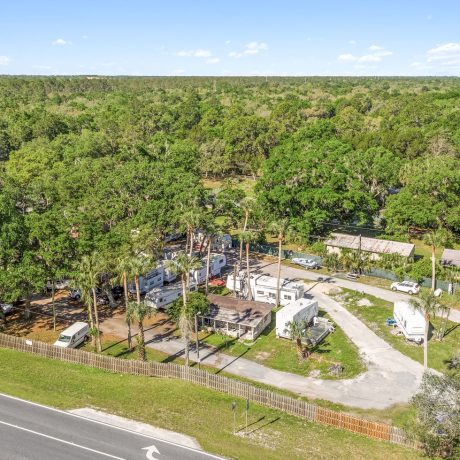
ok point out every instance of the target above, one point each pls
(410, 320)
(299, 310)
(73, 335)
(222, 242)
(216, 263)
(147, 282)
(264, 288)
(168, 275)
(160, 297)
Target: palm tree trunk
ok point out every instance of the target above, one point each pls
(248, 272)
(96, 318)
(278, 282)
(187, 241)
(425, 342)
(141, 341)
(433, 268)
(125, 289)
(191, 242)
(184, 303)
(138, 289)
(246, 217)
(208, 261)
(91, 324)
(299, 348)
(53, 306)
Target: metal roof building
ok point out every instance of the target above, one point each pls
(451, 257)
(373, 245)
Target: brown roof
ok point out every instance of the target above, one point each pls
(341, 240)
(237, 311)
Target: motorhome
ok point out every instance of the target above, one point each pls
(161, 297)
(300, 310)
(147, 282)
(73, 335)
(410, 320)
(264, 288)
(216, 263)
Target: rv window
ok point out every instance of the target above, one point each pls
(271, 295)
(288, 297)
(260, 292)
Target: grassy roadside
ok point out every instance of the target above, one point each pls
(281, 354)
(186, 408)
(374, 317)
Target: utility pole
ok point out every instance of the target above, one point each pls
(197, 341)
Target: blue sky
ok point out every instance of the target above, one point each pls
(232, 37)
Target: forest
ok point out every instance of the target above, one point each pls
(111, 165)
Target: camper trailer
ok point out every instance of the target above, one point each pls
(216, 263)
(73, 336)
(410, 320)
(168, 275)
(147, 282)
(161, 297)
(264, 288)
(222, 242)
(299, 310)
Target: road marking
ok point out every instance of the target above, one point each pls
(150, 451)
(61, 440)
(81, 417)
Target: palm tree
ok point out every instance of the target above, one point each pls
(248, 205)
(429, 305)
(191, 219)
(87, 278)
(296, 331)
(435, 239)
(139, 311)
(182, 265)
(331, 261)
(248, 237)
(444, 311)
(279, 227)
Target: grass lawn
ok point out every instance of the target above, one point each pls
(375, 317)
(187, 408)
(281, 354)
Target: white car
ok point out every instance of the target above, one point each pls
(7, 308)
(406, 286)
(307, 263)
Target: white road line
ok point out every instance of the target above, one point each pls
(81, 417)
(79, 446)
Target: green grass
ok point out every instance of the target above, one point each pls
(187, 408)
(281, 354)
(375, 317)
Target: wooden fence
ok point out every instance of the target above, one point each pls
(220, 383)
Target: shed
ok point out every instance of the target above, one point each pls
(237, 317)
(450, 258)
(299, 310)
(374, 246)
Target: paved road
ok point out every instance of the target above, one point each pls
(33, 432)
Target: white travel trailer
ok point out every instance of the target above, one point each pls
(264, 288)
(410, 320)
(299, 310)
(147, 282)
(216, 263)
(160, 297)
(168, 275)
(73, 335)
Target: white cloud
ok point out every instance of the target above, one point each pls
(227, 42)
(85, 37)
(4, 60)
(61, 42)
(250, 48)
(352, 42)
(199, 53)
(378, 53)
(445, 52)
(213, 60)
(347, 57)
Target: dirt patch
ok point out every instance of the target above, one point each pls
(262, 355)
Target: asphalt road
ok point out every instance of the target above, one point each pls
(30, 431)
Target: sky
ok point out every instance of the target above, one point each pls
(230, 37)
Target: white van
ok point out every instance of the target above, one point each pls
(73, 335)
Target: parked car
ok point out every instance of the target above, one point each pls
(406, 286)
(352, 276)
(306, 263)
(7, 308)
(217, 282)
(75, 294)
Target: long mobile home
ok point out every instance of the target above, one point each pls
(160, 297)
(299, 310)
(410, 320)
(264, 287)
